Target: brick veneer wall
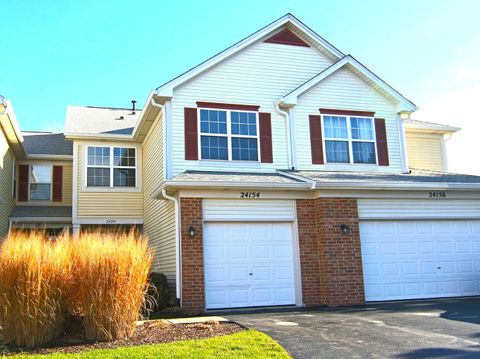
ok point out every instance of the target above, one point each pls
(193, 288)
(309, 251)
(339, 280)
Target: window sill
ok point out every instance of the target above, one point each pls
(112, 189)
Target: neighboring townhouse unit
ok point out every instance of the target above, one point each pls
(278, 173)
(426, 144)
(35, 178)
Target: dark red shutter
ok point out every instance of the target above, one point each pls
(57, 183)
(265, 124)
(382, 146)
(23, 172)
(191, 134)
(316, 140)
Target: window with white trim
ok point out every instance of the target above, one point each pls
(40, 182)
(228, 135)
(349, 139)
(112, 166)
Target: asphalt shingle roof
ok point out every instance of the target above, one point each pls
(41, 211)
(416, 176)
(100, 120)
(251, 177)
(46, 143)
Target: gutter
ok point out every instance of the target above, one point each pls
(98, 136)
(312, 183)
(400, 186)
(228, 184)
(178, 277)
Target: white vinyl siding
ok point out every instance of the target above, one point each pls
(344, 91)
(248, 210)
(418, 209)
(99, 203)
(259, 75)
(425, 151)
(159, 215)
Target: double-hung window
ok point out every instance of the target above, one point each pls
(228, 135)
(40, 182)
(111, 166)
(349, 139)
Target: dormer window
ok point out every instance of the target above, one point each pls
(228, 135)
(349, 139)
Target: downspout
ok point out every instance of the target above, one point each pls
(403, 146)
(178, 276)
(289, 137)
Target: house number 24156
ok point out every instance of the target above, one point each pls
(249, 194)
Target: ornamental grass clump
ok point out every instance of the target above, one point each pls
(111, 282)
(35, 275)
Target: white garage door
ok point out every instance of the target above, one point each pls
(420, 259)
(248, 264)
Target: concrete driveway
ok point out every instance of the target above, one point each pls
(423, 329)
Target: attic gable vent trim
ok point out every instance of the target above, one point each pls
(286, 37)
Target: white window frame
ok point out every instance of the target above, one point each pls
(111, 167)
(30, 166)
(349, 140)
(228, 135)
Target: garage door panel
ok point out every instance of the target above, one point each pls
(256, 268)
(439, 259)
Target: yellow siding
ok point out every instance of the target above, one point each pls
(105, 203)
(67, 183)
(159, 221)
(425, 151)
(7, 202)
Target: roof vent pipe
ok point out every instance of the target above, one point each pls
(133, 106)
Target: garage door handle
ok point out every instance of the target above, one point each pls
(250, 273)
(439, 267)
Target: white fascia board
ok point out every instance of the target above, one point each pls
(420, 125)
(97, 136)
(227, 185)
(291, 99)
(141, 120)
(166, 90)
(49, 157)
(400, 186)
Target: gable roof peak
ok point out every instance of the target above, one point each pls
(166, 90)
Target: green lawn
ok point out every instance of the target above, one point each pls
(245, 344)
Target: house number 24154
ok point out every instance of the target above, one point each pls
(249, 194)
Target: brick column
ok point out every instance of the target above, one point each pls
(193, 287)
(309, 252)
(331, 262)
(340, 254)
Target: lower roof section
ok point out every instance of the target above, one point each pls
(318, 180)
(58, 214)
(381, 180)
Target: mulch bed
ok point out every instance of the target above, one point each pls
(151, 332)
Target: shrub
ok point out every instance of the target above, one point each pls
(111, 273)
(102, 277)
(163, 296)
(34, 275)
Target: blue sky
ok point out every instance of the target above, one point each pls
(105, 53)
